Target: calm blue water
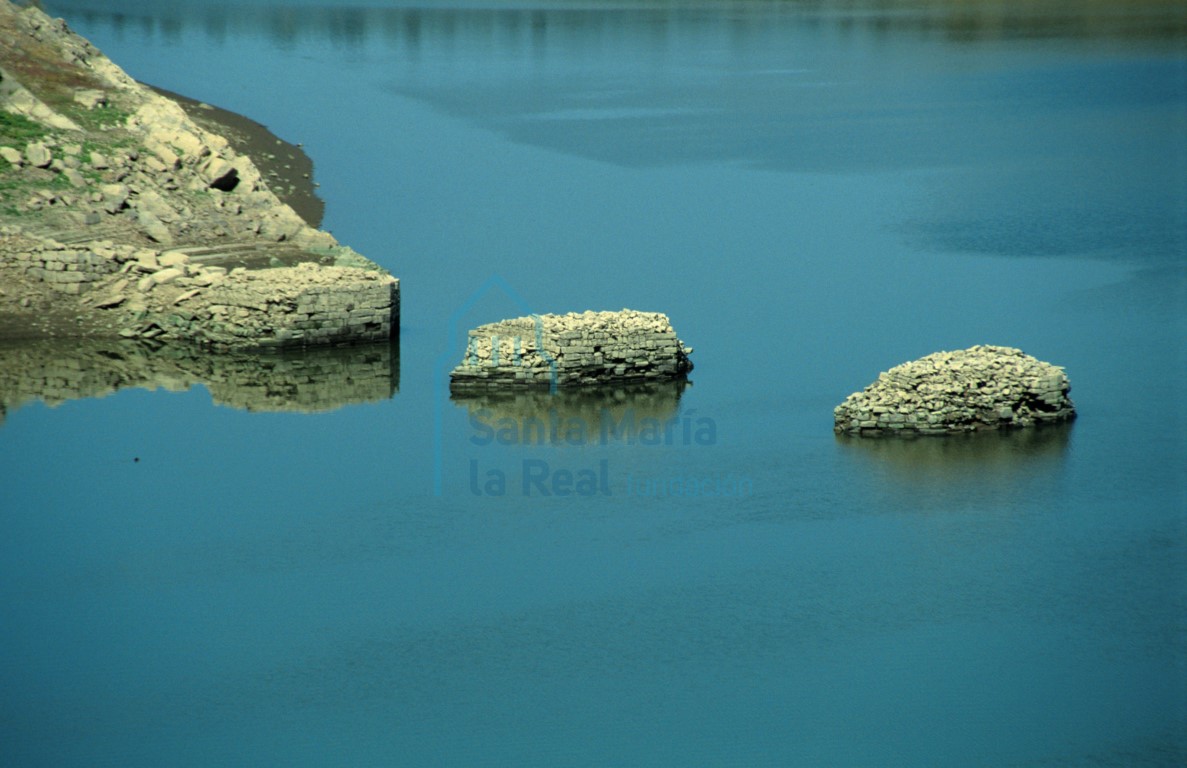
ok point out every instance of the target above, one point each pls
(813, 192)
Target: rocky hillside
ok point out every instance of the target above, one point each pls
(121, 215)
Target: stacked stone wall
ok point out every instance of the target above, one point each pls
(134, 292)
(71, 271)
(304, 305)
(573, 350)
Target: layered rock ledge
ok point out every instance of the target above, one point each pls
(576, 349)
(121, 216)
(982, 387)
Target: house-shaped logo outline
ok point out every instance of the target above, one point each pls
(442, 367)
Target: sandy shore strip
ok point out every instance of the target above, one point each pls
(286, 167)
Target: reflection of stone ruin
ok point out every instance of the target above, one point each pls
(573, 350)
(542, 417)
(963, 456)
(297, 380)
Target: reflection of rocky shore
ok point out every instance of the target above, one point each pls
(629, 412)
(354, 26)
(310, 380)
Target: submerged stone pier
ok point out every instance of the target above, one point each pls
(983, 387)
(575, 349)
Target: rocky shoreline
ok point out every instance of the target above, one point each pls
(123, 216)
(285, 167)
(126, 214)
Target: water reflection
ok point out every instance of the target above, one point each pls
(972, 452)
(533, 27)
(1027, 157)
(967, 468)
(301, 381)
(578, 416)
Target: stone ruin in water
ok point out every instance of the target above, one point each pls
(983, 387)
(575, 349)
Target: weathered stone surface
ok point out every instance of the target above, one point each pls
(173, 259)
(13, 156)
(190, 146)
(75, 178)
(90, 97)
(154, 228)
(109, 302)
(167, 275)
(154, 204)
(573, 350)
(168, 158)
(38, 155)
(187, 295)
(220, 174)
(146, 261)
(115, 197)
(983, 387)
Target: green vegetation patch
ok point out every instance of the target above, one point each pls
(11, 187)
(18, 130)
(101, 118)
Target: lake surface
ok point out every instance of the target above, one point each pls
(309, 561)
